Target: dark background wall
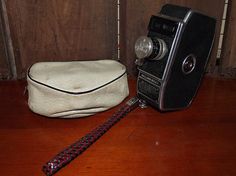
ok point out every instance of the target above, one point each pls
(4, 67)
(61, 30)
(5, 72)
(228, 59)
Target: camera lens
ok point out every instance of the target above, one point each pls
(143, 47)
(151, 48)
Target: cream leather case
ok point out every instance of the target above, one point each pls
(77, 88)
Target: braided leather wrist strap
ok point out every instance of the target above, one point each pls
(70, 153)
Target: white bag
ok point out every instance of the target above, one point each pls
(77, 88)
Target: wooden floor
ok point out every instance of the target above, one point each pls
(200, 140)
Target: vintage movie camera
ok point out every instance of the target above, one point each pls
(172, 58)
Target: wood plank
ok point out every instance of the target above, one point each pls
(62, 30)
(4, 67)
(5, 71)
(197, 141)
(84, 30)
(228, 63)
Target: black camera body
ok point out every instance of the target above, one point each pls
(172, 58)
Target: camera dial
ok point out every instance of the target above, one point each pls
(151, 48)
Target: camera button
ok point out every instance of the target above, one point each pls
(189, 64)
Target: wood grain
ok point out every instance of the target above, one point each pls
(197, 141)
(65, 30)
(4, 67)
(62, 30)
(228, 63)
(5, 71)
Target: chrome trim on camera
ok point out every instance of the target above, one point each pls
(169, 17)
(153, 77)
(187, 17)
(163, 49)
(169, 63)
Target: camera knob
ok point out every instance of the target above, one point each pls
(189, 64)
(151, 48)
